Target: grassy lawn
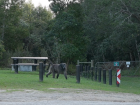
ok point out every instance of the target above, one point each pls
(30, 80)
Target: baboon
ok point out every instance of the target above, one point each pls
(57, 68)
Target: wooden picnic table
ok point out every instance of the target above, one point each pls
(16, 62)
(37, 58)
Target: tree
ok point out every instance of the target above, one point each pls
(37, 19)
(2, 50)
(68, 30)
(112, 27)
(12, 32)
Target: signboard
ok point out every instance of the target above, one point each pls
(127, 63)
(116, 63)
(118, 77)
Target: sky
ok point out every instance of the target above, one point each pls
(42, 2)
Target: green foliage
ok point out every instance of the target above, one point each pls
(67, 29)
(113, 29)
(2, 50)
(43, 53)
(6, 60)
(37, 20)
(11, 32)
(69, 51)
(103, 30)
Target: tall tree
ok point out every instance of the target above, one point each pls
(12, 32)
(68, 30)
(37, 19)
(112, 26)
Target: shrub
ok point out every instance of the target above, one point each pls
(71, 69)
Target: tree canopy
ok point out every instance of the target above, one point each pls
(71, 30)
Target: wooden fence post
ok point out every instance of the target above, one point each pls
(78, 73)
(41, 69)
(99, 74)
(110, 77)
(104, 76)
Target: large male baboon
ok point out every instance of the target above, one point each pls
(57, 68)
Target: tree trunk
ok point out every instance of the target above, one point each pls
(137, 48)
(3, 24)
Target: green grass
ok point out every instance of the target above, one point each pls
(30, 80)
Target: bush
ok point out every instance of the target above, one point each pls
(2, 50)
(71, 69)
(6, 60)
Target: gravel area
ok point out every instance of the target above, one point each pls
(7, 97)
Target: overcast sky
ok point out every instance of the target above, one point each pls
(42, 2)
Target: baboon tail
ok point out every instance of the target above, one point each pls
(65, 76)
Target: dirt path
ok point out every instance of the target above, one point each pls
(66, 94)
